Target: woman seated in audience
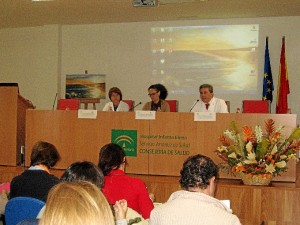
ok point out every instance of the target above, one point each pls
(73, 203)
(84, 171)
(37, 180)
(119, 186)
(116, 103)
(158, 93)
(88, 171)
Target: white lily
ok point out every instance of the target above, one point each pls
(232, 155)
(222, 148)
(281, 164)
(270, 168)
(274, 150)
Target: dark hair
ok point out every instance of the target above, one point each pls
(44, 153)
(114, 90)
(84, 171)
(111, 156)
(162, 89)
(196, 172)
(209, 86)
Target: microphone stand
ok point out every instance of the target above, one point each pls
(133, 107)
(54, 101)
(194, 105)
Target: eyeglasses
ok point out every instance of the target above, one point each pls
(152, 94)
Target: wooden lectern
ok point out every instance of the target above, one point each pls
(12, 129)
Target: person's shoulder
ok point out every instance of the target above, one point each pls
(135, 180)
(219, 99)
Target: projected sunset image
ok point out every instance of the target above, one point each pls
(224, 56)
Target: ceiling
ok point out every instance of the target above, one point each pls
(23, 13)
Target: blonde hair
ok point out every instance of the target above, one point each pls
(73, 203)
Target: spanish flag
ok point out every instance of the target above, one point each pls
(283, 83)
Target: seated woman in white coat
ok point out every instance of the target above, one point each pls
(116, 103)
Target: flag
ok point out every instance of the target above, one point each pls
(268, 86)
(283, 83)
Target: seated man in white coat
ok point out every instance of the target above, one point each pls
(208, 102)
(195, 205)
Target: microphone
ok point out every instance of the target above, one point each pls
(54, 101)
(194, 105)
(133, 107)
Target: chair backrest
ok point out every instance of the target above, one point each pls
(130, 103)
(173, 105)
(256, 106)
(20, 208)
(68, 104)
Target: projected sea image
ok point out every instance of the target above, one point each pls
(223, 55)
(184, 69)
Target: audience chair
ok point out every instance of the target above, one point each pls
(68, 104)
(173, 105)
(130, 103)
(256, 106)
(21, 208)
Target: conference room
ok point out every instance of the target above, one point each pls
(180, 44)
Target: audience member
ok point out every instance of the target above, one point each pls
(158, 93)
(88, 171)
(116, 103)
(118, 186)
(37, 180)
(73, 203)
(195, 204)
(4, 192)
(208, 102)
(84, 171)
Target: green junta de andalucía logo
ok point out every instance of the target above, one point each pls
(127, 139)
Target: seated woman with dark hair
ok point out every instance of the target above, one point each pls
(37, 180)
(158, 93)
(116, 103)
(119, 186)
(89, 172)
(84, 171)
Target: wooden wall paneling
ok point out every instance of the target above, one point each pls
(173, 142)
(8, 125)
(244, 201)
(127, 121)
(281, 206)
(82, 138)
(12, 125)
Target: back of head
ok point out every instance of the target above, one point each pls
(73, 203)
(84, 171)
(44, 153)
(111, 156)
(197, 171)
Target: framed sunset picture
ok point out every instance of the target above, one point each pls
(85, 86)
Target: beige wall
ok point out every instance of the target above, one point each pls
(38, 58)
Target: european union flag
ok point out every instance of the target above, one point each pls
(268, 86)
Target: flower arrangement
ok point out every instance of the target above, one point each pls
(253, 152)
